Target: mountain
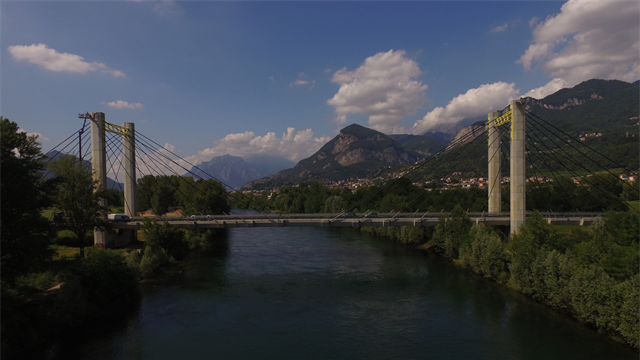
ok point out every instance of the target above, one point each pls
(423, 144)
(268, 165)
(232, 170)
(606, 108)
(235, 171)
(53, 155)
(446, 132)
(356, 152)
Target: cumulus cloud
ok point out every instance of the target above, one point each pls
(383, 87)
(121, 104)
(547, 89)
(38, 135)
(499, 28)
(587, 39)
(299, 82)
(50, 59)
(293, 145)
(475, 102)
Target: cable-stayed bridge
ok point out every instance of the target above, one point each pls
(532, 146)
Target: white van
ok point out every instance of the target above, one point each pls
(118, 217)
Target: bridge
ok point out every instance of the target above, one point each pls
(137, 150)
(343, 220)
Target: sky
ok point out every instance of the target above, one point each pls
(208, 78)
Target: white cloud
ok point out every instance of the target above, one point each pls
(38, 135)
(499, 28)
(588, 39)
(533, 21)
(475, 102)
(167, 7)
(50, 59)
(121, 104)
(383, 88)
(299, 82)
(547, 89)
(292, 145)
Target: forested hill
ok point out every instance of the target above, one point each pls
(601, 114)
(607, 106)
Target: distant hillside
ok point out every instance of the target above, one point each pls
(606, 107)
(423, 144)
(268, 165)
(54, 155)
(356, 152)
(235, 171)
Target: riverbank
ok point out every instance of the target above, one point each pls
(564, 272)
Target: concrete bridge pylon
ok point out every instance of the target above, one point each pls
(99, 127)
(517, 179)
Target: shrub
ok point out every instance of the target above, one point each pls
(153, 259)
(167, 237)
(104, 275)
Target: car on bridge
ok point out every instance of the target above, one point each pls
(118, 217)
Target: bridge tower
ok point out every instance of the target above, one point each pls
(129, 157)
(98, 166)
(99, 127)
(515, 116)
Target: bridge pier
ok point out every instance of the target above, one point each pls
(495, 165)
(518, 167)
(99, 169)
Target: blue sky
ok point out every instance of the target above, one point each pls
(280, 78)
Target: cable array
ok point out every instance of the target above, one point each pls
(547, 149)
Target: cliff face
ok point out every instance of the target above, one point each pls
(469, 133)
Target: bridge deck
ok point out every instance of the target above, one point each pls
(346, 220)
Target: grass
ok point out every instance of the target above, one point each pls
(65, 252)
(634, 205)
(568, 229)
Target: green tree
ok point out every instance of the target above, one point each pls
(80, 198)
(334, 204)
(487, 252)
(451, 232)
(25, 234)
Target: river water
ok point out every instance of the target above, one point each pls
(313, 293)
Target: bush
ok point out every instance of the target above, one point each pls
(152, 261)
(104, 275)
(629, 314)
(167, 237)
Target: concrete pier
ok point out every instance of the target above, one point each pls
(99, 167)
(495, 165)
(129, 162)
(518, 167)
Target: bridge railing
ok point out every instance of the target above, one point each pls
(328, 216)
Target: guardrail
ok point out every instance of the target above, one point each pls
(345, 220)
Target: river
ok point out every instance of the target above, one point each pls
(313, 293)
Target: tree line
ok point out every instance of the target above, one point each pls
(95, 286)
